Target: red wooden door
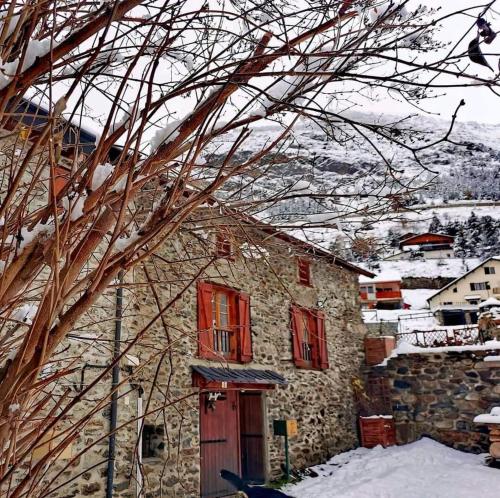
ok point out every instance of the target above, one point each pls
(252, 437)
(219, 438)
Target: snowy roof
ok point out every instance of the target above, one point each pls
(408, 240)
(496, 258)
(491, 301)
(385, 276)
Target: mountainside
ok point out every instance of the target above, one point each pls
(453, 178)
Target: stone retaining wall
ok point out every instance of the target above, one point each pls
(440, 394)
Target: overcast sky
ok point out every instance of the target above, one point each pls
(481, 104)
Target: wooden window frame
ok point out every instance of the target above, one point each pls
(317, 350)
(231, 342)
(224, 244)
(304, 272)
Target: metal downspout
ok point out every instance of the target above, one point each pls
(110, 474)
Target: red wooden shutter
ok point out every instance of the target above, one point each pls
(297, 335)
(205, 338)
(245, 333)
(322, 346)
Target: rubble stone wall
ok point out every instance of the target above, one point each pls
(439, 395)
(321, 401)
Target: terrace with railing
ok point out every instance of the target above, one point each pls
(439, 337)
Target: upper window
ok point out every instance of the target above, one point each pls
(304, 270)
(476, 286)
(489, 270)
(223, 246)
(223, 323)
(308, 338)
(455, 289)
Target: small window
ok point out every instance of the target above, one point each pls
(489, 270)
(153, 442)
(304, 269)
(447, 303)
(223, 246)
(455, 289)
(476, 286)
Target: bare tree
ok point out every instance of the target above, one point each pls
(175, 88)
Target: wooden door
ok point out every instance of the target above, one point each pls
(252, 437)
(219, 438)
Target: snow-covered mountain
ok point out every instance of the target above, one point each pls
(453, 177)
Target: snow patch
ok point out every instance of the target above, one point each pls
(165, 135)
(25, 313)
(101, 173)
(489, 418)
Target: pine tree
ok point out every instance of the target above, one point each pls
(436, 225)
(459, 245)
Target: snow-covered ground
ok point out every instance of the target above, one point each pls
(417, 298)
(452, 267)
(424, 469)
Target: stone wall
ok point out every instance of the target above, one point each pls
(425, 282)
(440, 394)
(321, 401)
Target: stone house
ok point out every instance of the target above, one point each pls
(270, 331)
(259, 326)
(458, 303)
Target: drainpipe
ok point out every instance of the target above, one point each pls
(140, 422)
(114, 396)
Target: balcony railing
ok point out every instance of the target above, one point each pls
(392, 294)
(306, 351)
(395, 294)
(222, 341)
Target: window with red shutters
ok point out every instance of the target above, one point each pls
(309, 338)
(223, 246)
(223, 323)
(304, 271)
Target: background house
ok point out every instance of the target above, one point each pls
(459, 302)
(424, 246)
(381, 292)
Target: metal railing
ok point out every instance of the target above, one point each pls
(460, 336)
(222, 341)
(306, 351)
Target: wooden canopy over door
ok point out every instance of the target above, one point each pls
(219, 438)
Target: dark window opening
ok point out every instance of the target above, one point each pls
(153, 442)
(223, 246)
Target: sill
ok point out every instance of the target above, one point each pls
(311, 367)
(225, 257)
(223, 360)
(306, 285)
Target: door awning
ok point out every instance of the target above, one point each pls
(232, 377)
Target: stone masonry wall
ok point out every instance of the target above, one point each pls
(440, 394)
(321, 401)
